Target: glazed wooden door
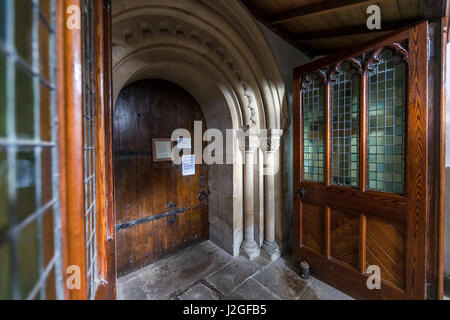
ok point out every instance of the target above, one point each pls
(361, 167)
(158, 210)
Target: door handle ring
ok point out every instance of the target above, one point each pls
(302, 193)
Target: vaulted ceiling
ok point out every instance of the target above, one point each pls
(320, 27)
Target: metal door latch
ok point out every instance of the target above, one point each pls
(302, 193)
(203, 195)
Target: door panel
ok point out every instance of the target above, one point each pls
(385, 248)
(313, 221)
(344, 237)
(158, 211)
(360, 157)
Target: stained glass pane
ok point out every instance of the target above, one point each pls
(3, 193)
(24, 104)
(29, 208)
(386, 125)
(313, 106)
(2, 95)
(25, 183)
(5, 272)
(89, 146)
(23, 29)
(345, 128)
(3, 21)
(28, 259)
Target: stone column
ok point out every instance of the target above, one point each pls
(249, 142)
(270, 144)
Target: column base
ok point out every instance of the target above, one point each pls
(270, 251)
(249, 249)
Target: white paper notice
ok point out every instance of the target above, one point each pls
(184, 143)
(188, 163)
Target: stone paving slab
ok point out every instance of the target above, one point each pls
(283, 281)
(252, 290)
(131, 289)
(199, 292)
(322, 291)
(233, 275)
(169, 280)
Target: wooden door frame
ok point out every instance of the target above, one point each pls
(424, 246)
(70, 140)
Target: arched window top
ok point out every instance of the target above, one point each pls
(391, 56)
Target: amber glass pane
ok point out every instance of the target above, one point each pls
(313, 107)
(45, 114)
(23, 29)
(2, 95)
(50, 286)
(345, 128)
(46, 176)
(48, 230)
(24, 105)
(386, 125)
(44, 49)
(28, 259)
(45, 7)
(25, 183)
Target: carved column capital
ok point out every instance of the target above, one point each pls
(270, 140)
(248, 139)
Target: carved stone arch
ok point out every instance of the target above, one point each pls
(216, 52)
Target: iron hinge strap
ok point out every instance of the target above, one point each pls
(130, 224)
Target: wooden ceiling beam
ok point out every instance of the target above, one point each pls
(260, 15)
(355, 30)
(315, 8)
(434, 9)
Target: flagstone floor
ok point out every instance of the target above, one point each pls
(206, 272)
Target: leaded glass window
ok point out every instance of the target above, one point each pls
(345, 127)
(89, 145)
(386, 124)
(313, 102)
(30, 247)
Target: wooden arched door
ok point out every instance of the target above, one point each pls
(158, 210)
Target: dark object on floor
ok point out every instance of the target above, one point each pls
(304, 270)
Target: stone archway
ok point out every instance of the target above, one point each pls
(215, 51)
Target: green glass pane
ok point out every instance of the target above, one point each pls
(3, 21)
(4, 220)
(2, 95)
(25, 183)
(386, 125)
(345, 128)
(23, 29)
(27, 249)
(5, 272)
(24, 105)
(313, 130)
